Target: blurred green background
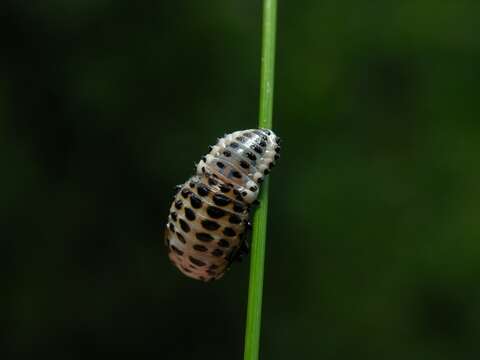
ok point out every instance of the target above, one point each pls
(373, 248)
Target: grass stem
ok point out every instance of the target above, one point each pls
(259, 233)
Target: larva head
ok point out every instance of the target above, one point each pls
(242, 159)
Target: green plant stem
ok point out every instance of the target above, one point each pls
(259, 234)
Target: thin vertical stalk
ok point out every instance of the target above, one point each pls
(259, 234)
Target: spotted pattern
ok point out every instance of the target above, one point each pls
(210, 212)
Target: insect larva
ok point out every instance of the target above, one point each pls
(210, 212)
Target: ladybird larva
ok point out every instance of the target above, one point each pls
(210, 212)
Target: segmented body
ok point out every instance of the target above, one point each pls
(210, 212)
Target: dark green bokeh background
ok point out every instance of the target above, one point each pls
(373, 248)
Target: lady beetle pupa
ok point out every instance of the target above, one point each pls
(210, 212)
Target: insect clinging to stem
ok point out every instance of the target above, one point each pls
(210, 212)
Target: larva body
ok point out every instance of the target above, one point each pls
(210, 212)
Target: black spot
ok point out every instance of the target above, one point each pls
(215, 212)
(264, 138)
(210, 148)
(251, 156)
(213, 267)
(223, 243)
(186, 270)
(253, 188)
(212, 182)
(185, 193)
(271, 165)
(203, 169)
(244, 193)
(262, 144)
(224, 188)
(260, 180)
(244, 164)
(171, 227)
(217, 252)
(196, 261)
(177, 250)
(236, 174)
(234, 145)
(234, 219)
(196, 202)
(248, 135)
(266, 131)
(184, 225)
(266, 171)
(220, 164)
(238, 208)
(256, 148)
(277, 156)
(229, 232)
(221, 200)
(178, 204)
(174, 216)
(200, 248)
(189, 214)
(240, 138)
(180, 237)
(227, 153)
(204, 159)
(236, 192)
(210, 225)
(277, 149)
(192, 185)
(202, 190)
(204, 237)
